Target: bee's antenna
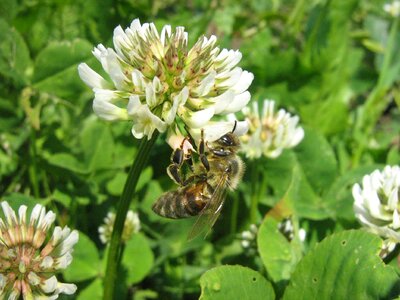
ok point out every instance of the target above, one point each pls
(234, 127)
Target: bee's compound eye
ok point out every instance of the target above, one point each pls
(226, 140)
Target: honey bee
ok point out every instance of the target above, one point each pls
(203, 193)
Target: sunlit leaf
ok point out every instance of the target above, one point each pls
(346, 263)
(234, 282)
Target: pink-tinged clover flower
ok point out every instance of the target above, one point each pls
(28, 259)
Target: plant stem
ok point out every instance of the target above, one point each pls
(115, 250)
(254, 193)
(32, 165)
(235, 211)
(376, 103)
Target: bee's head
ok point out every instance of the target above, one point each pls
(226, 145)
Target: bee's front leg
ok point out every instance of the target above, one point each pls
(178, 157)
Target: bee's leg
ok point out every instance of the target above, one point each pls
(178, 157)
(203, 157)
(189, 160)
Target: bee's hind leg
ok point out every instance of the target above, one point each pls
(178, 157)
(203, 157)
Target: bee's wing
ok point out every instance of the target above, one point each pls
(210, 213)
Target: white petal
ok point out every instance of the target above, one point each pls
(206, 84)
(297, 137)
(178, 100)
(111, 64)
(244, 82)
(133, 105)
(396, 220)
(165, 33)
(63, 262)
(214, 130)
(138, 80)
(241, 127)
(229, 78)
(35, 214)
(121, 42)
(22, 214)
(135, 25)
(302, 234)
(238, 103)
(49, 285)
(9, 213)
(47, 262)
(48, 219)
(145, 122)
(393, 201)
(227, 59)
(33, 278)
(152, 89)
(222, 101)
(245, 244)
(66, 288)
(91, 78)
(247, 235)
(109, 111)
(69, 242)
(199, 118)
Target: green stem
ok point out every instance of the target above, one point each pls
(115, 250)
(376, 102)
(254, 192)
(235, 211)
(32, 166)
(296, 16)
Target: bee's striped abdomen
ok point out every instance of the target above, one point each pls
(182, 203)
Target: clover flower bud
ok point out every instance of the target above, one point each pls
(248, 241)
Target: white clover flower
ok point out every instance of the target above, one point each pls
(28, 264)
(269, 132)
(287, 229)
(248, 241)
(156, 80)
(132, 225)
(377, 206)
(393, 9)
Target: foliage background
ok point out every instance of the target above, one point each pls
(322, 60)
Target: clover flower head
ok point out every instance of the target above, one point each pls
(156, 80)
(393, 9)
(269, 132)
(132, 225)
(248, 241)
(27, 263)
(377, 206)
